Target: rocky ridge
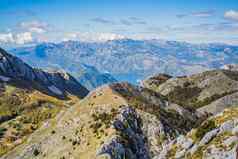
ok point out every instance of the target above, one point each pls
(215, 138)
(199, 90)
(54, 83)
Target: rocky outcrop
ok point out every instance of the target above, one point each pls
(130, 142)
(155, 81)
(54, 83)
(231, 67)
(138, 131)
(218, 140)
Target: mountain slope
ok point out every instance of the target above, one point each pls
(220, 104)
(121, 120)
(59, 84)
(83, 129)
(29, 97)
(133, 60)
(197, 90)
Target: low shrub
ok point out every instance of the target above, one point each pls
(2, 131)
(204, 128)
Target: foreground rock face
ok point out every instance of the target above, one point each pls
(218, 139)
(218, 142)
(232, 67)
(130, 143)
(59, 84)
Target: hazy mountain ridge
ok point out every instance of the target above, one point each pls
(47, 56)
(132, 60)
(91, 78)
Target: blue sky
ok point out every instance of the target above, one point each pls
(32, 21)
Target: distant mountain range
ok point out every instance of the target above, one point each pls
(127, 59)
(45, 56)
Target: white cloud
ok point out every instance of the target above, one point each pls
(6, 38)
(92, 37)
(200, 14)
(19, 38)
(231, 14)
(108, 36)
(35, 26)
(26, 33)
(37, 30)
(23, 38)
(204, 14)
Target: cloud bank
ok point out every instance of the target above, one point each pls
(102, 20)
(231, 15)
(92, 37)
(19, 39)
(200, 14)
(35, 26)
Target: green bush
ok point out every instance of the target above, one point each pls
(204, 128)
(2, 131)
(36, 152)
(208, 100)
(184, 95)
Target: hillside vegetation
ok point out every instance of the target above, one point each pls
(29, 97)
(197, 90)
